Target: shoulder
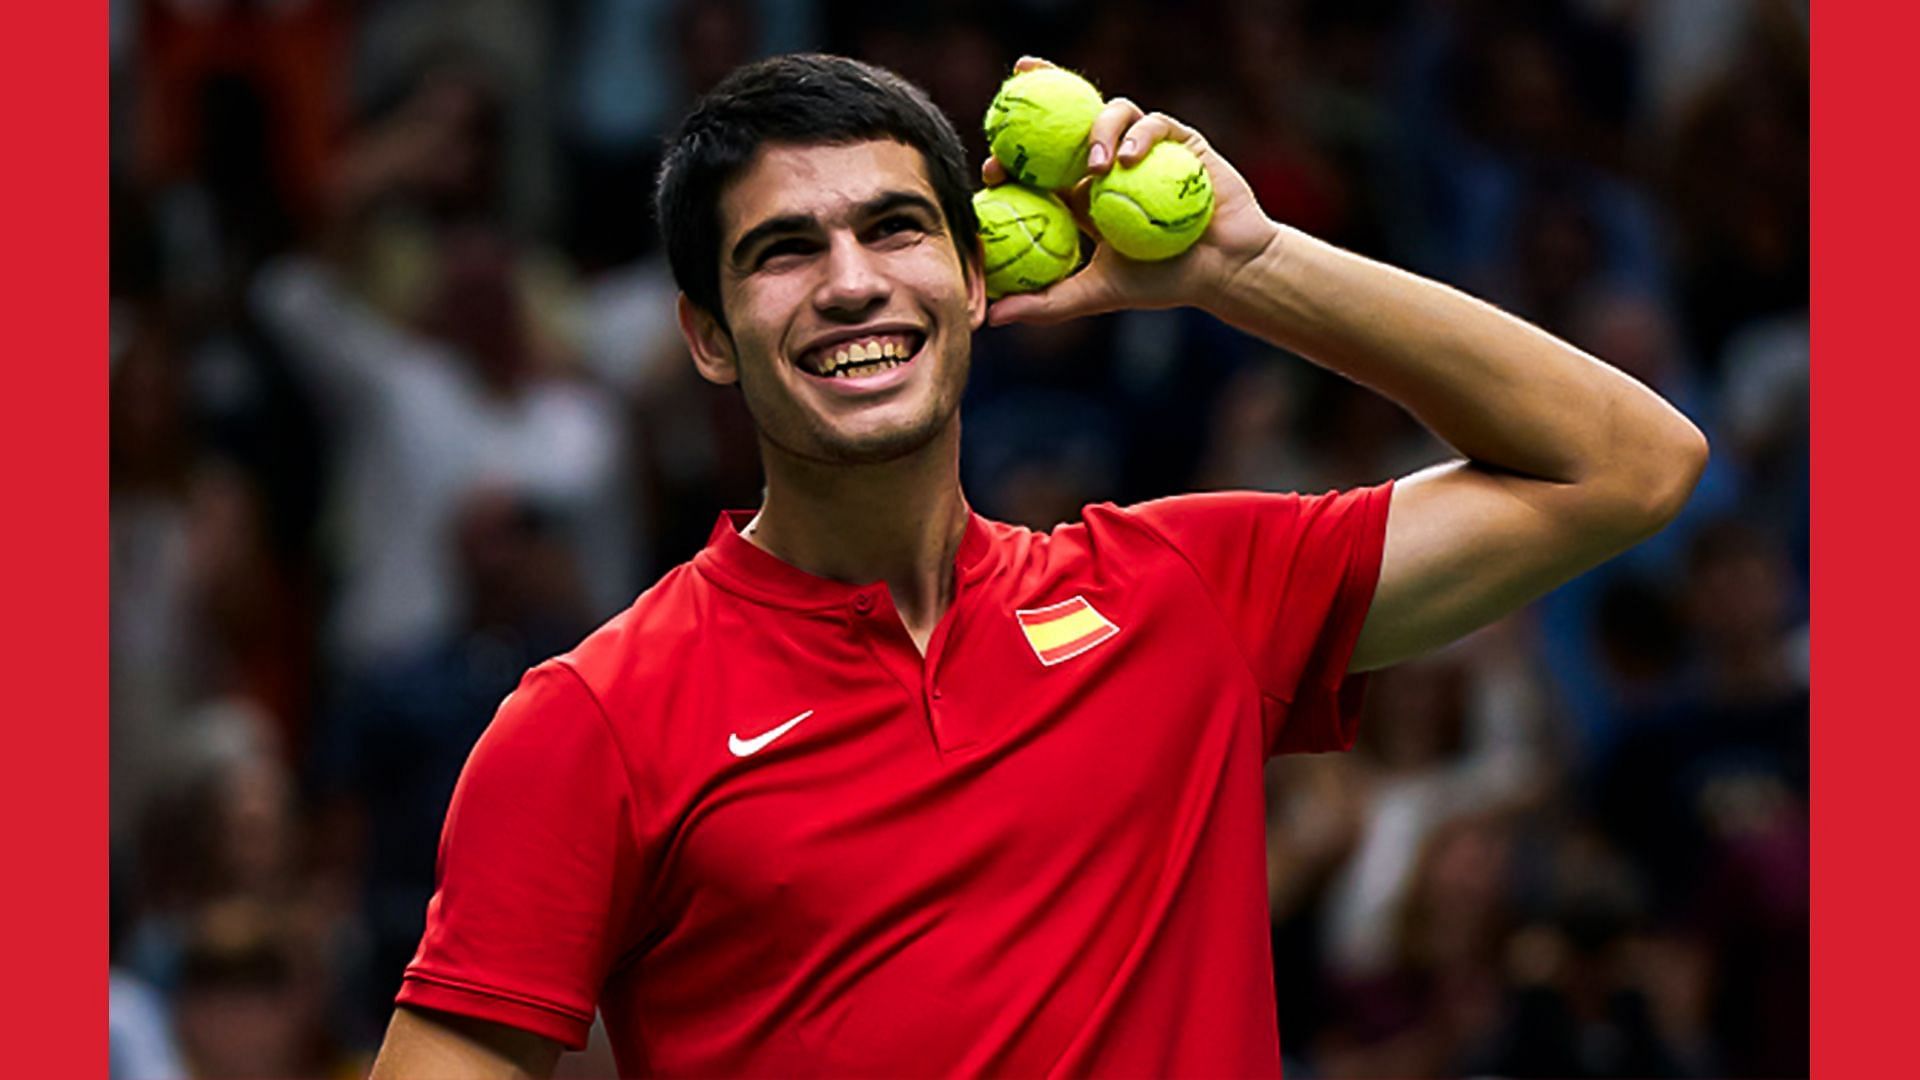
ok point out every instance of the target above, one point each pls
(648, 641)
(1162, 523)
(1111, 533)
(1108, 545)
(1222, 535)
(1274, 514)
(602, 692)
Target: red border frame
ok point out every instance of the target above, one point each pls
(53, 778)
(1864, 742)
(53, 783)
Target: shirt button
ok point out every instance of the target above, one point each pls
(936, 693)
(863, 603)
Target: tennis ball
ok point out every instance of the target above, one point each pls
(1029, 238)
(1155, 209)
(1039, 126)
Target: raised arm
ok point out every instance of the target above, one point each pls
(420, 1043)
(1566, 461)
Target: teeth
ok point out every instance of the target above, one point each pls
(874, 368)
(892, 351)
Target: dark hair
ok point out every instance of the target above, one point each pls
(803, 98)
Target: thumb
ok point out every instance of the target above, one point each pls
(1084, 293)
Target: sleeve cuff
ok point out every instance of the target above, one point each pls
(419, 990)
(1326, 714)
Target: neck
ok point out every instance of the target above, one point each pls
(897, 521)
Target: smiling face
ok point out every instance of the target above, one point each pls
(850, 319)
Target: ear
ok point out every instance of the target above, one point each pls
(711, 346)
(977, 284)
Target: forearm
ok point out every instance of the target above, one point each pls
(335, 343)
(1501, 391)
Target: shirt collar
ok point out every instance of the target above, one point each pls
(733, 562)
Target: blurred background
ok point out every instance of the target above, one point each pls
(398, 409)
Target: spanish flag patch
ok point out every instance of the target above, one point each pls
(1064, 630)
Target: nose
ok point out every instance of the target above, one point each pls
(854, 282)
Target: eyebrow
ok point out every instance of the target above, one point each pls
(875, 207)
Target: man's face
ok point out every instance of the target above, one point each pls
(851, 320)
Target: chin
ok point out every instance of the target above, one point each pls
(872, 443)
(871, 429)
(878, 447)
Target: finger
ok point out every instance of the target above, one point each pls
(1115, 117)
(1029, 63)
(1079, 198)
(1084, 293)
(1146, 131)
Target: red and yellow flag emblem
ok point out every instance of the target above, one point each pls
(1064, 630)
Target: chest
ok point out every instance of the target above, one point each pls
(1057, 733)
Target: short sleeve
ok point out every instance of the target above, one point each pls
(1292, 576)
(539, 871)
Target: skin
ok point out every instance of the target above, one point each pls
(859, 488)
(433, 1044)
(1564, 461)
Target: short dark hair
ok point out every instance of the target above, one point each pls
(802, 98)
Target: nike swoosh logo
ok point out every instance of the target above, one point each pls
(746, 747)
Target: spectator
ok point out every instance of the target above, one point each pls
(251, 997)
(400, 732)
(1738, 189)
(425, 413)
(1450, 736)
(1735, 731)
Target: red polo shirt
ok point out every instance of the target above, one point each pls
(755, 828)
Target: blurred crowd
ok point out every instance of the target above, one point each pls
(399, 408)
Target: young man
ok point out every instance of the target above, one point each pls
(876, 786)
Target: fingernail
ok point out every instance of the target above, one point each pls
(1097, 156)
(1126, 148)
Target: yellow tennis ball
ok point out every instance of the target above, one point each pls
(1156, 209)
(1039, 126)
(1029, 238)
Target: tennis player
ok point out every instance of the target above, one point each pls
(875, 786)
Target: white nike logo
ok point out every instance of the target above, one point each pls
(743, 747)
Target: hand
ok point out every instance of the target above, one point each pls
(1238, 233)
